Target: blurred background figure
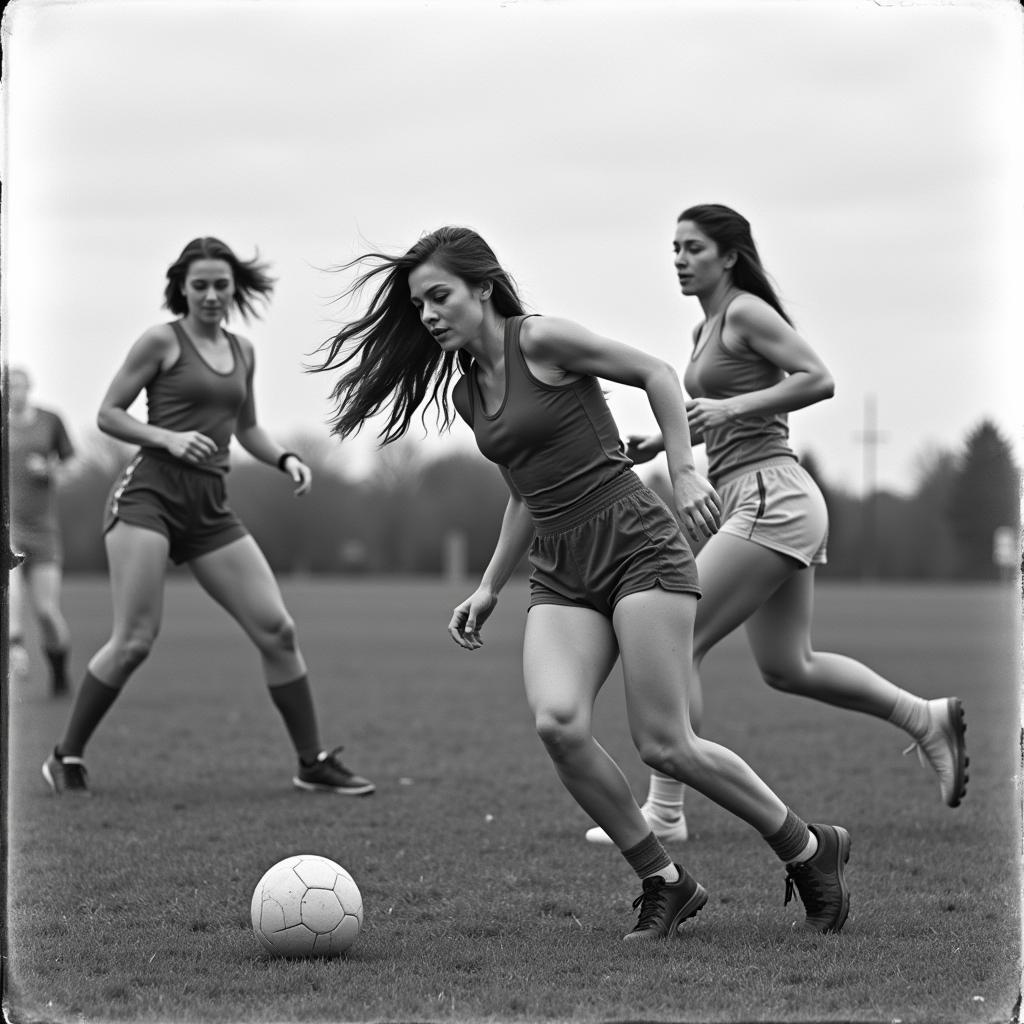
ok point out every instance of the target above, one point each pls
(39, 445)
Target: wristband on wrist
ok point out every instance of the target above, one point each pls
(284, 456)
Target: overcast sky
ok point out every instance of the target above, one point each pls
(875, 147)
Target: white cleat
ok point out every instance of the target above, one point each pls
(944, 748)
(668, 830)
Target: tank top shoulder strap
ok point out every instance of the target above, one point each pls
(237, 352)
(513, 328)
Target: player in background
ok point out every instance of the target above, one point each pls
(747, 369)
(171, 501)
(39, 449)
(612, 576)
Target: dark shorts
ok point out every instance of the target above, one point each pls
(624, 542)
(188, 506)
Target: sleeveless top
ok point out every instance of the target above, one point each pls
(34, 500)
(558, 443)
(716, 372)
(191, 395)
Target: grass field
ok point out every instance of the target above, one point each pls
(483, 902)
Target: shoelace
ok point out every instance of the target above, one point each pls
(809, 885)
(652, 900)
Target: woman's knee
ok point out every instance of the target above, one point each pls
(675, 756)
(562, 731)
(786, 677)
(132, 649)
(278, 635)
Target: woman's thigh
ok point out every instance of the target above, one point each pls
(568, 653)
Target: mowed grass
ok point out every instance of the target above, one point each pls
(483, 902)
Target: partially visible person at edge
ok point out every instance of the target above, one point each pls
(171, 501)
(39, 449)
(747, 369)
(612, 575)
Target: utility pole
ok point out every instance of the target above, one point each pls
(870, 437)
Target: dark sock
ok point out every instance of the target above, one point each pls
(791, 840)
(294, 701)
(58, 660)
(92, 703)
(648, 857)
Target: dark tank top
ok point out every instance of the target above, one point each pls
(191, 395)
(558, 443)
(715, 372)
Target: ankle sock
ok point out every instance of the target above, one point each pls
(665, 795)
(648, 858)
(793, 840)
(910, 713)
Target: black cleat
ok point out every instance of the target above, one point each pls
(665, 906)
(820, 880)
(328, 775)
(66, 775)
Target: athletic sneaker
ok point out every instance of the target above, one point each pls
(664, 907)
(820, 880)
(66, 774)
(328, 775)
(944, 748)
(668, 830)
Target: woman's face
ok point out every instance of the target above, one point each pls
(209, 289)
(450, 308)
(700, 267)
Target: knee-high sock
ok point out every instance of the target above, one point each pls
(92, 703)
(294, 701)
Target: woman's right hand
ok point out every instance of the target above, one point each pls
(190, 446)
(643, 447)
(468, 617)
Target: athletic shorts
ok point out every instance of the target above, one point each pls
(188, 506)
(776, 504)
(38, 545)
(622, 542)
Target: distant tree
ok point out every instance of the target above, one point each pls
(984, 495)
(931, 546)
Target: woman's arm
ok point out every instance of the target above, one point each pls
(154, 351)
(257, 442)
(568, 346)
(512, 544)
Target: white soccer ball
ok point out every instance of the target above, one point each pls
(306, 906)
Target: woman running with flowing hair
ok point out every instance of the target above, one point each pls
(612, 576)
(748, 368)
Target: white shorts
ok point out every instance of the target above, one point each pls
(776, 504)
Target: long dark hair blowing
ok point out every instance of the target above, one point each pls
(251, 278)
(730, 231)
(394, 363)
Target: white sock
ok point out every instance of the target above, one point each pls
(666, 795)
(910, 713)
(670, 874)
(808, 851)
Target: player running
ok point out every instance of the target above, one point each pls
(748, 368)
(38, 446)
(612, 575)
(171, 501)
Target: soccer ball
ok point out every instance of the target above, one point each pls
(306, 906)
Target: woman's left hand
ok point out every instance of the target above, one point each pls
(300, 473)
(707, 413)
(698, 505)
